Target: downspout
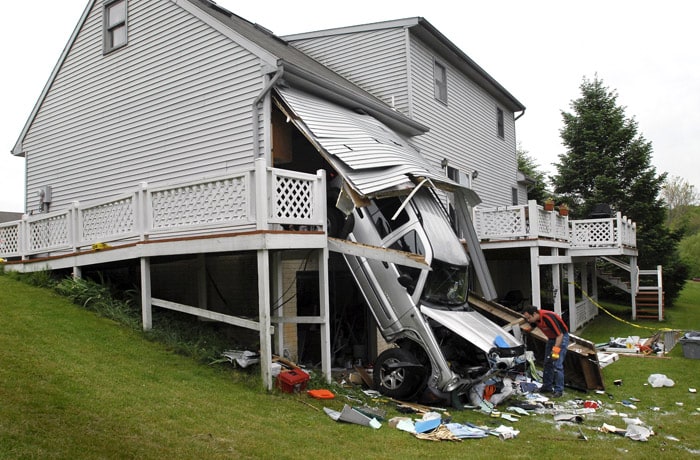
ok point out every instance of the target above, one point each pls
(521, 114)
(256, 111)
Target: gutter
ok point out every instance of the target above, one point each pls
(256, 110)
(518, 117)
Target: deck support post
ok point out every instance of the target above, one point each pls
(146, 307)
(325, 313)
(264, 317)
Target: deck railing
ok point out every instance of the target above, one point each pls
(531, 221)
(250, 199)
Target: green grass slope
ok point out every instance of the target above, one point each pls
(76, 385)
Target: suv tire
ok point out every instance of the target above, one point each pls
(397, 373)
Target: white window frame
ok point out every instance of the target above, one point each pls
(113, 39)
(440, 81)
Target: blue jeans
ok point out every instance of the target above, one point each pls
(553, 372)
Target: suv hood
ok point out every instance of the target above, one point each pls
(474, 327)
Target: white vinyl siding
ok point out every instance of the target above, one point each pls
(463, 131)
(375, 61)
(175, 104)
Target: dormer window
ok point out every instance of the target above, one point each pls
(115, 31)
(440, 77)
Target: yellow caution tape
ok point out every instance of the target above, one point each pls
(600, 307)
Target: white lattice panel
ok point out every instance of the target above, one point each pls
(594, 233)
(561, 228)
(49, 233)
(9, 240)
(545, 223)
(109, 220)
(218, 201)
(500, 223)
(293, 200)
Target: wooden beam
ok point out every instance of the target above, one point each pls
(228, 319)
(378, 253)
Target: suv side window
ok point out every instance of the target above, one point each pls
(382, 210)
(409, 242)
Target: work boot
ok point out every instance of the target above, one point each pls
(556, 394)
(544, 390)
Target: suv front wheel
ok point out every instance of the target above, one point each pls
(397, 373)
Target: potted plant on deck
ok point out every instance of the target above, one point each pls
(563, 209)
(549, 204)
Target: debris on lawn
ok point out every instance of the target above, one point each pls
(657, 345)
(660, 380)
(321, 394)
(440, 433)
(350, 415)
(241, 358)
(511, 400)
(432, 427)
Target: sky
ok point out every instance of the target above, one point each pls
(539, 50)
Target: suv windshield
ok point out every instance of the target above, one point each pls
(446, 285)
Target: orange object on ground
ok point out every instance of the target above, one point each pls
(321, 394)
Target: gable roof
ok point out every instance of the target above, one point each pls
(299, 70)
(420, 27)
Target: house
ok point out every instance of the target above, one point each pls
(414, 68)
(421, 73)
(185, 146)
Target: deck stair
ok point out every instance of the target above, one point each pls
(648, 304)
(649, 294)
(616, 281)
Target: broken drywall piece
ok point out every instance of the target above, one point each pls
(606, 428)
(425, 426)
(565, 417)
(504, 432)
(466, 431)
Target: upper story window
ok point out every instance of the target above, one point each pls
(115, 25)
(499, 123)
(440, 77)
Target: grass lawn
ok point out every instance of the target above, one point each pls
(76, 385)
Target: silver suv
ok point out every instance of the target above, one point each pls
(439, 342)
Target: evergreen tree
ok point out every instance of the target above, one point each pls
(607, 161)
(528, 165)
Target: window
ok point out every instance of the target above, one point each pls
(115, 33)
(499, 122)
(514, 196)
(440, 76)
(382, 210)
(457, 176)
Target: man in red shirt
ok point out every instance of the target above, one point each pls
(557, 333)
